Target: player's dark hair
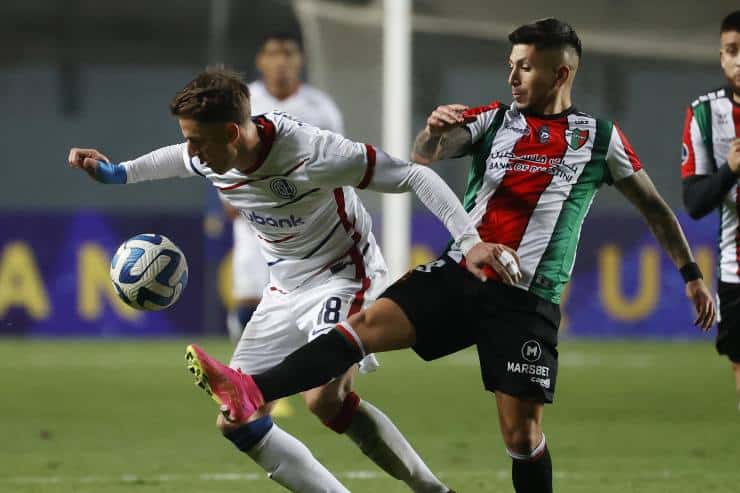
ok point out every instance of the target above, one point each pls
(217, 95)
(545, 34)
(731, 22)
(281, 36)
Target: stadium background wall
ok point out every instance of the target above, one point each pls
(622, 286)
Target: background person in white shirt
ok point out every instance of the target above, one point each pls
(280, 63)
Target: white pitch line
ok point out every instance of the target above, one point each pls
(500, 475)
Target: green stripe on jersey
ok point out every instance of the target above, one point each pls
(553, 271)
(481, 150)
(703, 116)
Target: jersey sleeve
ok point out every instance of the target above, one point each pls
(695, 157)
(338, 161)
(621, 159)
(166, 162)
(481, 118)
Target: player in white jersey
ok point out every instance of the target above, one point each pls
(536, 168)
(710, 168)
(295, 184)
(280, 62)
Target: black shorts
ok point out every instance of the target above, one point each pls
(515, 331)
(728, 328)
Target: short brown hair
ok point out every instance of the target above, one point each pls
(216, 95)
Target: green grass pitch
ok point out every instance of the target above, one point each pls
(124, 416)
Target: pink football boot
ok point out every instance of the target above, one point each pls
(236, 393)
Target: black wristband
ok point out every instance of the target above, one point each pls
(691, 272)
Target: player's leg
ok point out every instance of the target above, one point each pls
(342, 410)
(728, 328)
(521, 428)
(517, 347)
(267, 338)
(417, 311)
(286, 459)
(382, 327)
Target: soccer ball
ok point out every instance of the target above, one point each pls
(149, 272)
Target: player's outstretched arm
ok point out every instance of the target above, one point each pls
(445, 135)
(165, 162)
(92, 162)
(638, 188)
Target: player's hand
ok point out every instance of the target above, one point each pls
(86, 159)
(501, 258)
(447, 117)
(703, 302)
(733, 156)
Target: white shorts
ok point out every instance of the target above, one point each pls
(249, 267)
(286, 321)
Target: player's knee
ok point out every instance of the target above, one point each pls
(521, 439)
(368, 328)
(326, 405)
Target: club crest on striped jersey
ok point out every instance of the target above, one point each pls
(684, 154)
(576, 137)
(543, 134)
(283, 188)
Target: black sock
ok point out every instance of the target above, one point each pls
(533, 476)
(314, 364)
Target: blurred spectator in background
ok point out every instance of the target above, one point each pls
(710, 167)
(280, 63)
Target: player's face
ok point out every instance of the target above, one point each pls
(280, 62)
(211, 142)
(729, 56)
(532, 76)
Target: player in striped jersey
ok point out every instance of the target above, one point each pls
(710, 167)
(536, 166)
(295, 184)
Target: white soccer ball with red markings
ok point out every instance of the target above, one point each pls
(149, 272)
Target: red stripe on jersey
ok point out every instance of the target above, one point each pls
(473, 112)
(266, 132)
(354, 251)
(356, 305)
(688, 158)
(736, 118)
(631, 154)
(509, 210)
(370, 170)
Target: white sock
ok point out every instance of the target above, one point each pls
(380, 440)
(289, 463)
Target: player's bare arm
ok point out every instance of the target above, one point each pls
(445, 135)
(640, 191)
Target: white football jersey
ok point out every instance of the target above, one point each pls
(307, 104)
(309, 226)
